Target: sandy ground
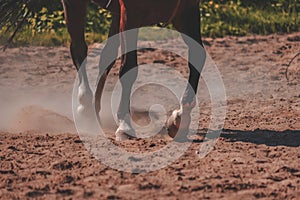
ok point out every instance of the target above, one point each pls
(257, 155)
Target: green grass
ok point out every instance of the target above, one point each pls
(156, 33)
(232, 19)
(26, 37)
(218, 20)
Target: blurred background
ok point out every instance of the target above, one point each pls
(45, 25)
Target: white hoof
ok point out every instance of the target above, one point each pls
(124, 131)
(85, 111)
(85, 102)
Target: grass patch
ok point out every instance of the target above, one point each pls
(26, 37)
(233, 19)
(156, 33)
(218, 19)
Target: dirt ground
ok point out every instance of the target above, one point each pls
(256, 156)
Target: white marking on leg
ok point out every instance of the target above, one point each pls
(125, 130)
(180, 119)
(85, 95)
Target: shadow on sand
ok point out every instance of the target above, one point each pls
(289, 138)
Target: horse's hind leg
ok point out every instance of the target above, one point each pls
(128, 74)
(75, 14)
(107, 60)
(189, 25)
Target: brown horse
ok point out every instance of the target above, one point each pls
(128, 15)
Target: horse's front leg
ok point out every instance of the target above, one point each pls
(75, 14)
(128, 74)
(188, 24)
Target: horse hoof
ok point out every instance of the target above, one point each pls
(178, 125)
(85, 106)
(173, 123)
(179, 135)
(124, 132)
(122, 136)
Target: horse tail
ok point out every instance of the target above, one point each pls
(123, 15)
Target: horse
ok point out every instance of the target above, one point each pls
(184, 15)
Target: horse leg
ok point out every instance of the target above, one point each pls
(75, 14)
(107, 60)
(128, 74)
(189, 25)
